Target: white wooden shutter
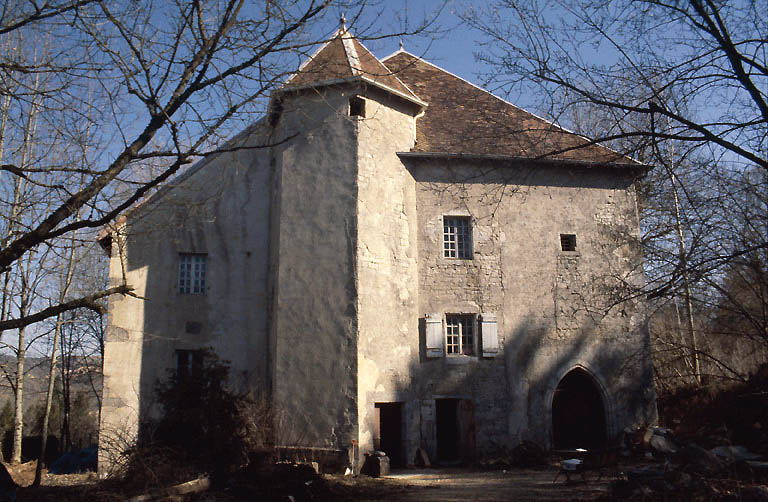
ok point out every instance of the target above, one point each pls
(490, 334)
(434, 330)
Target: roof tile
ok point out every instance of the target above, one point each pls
(330, 63)
(462, 118)
(345, 57)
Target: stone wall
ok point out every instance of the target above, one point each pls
(325, 256)
(315, 284)
(388, 347)
(220, 208)
(556, 310)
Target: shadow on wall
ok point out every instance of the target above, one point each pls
(584, 340)
(560, 393)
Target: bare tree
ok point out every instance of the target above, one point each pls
(693, 70)
(682, 85)
(129, 95)
(159, 84)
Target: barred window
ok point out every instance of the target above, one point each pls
(192, 274)
(457, 237)
(460, 334)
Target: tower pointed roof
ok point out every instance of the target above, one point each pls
(343, 57)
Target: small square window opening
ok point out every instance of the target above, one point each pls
(460, 334)
(356, 107)
(568, 242)
(192, 274)
(457, 238)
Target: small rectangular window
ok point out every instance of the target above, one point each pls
(356, 107)
(568, 242)
(460, 334)
(188, 362)
(192, 274)
(457, 237)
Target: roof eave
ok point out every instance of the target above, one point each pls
(357, 78)
(516, 158)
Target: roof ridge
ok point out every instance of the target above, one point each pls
(353, 60)
(564, 129)
(398, 79)
(388, 70)
(398, 51)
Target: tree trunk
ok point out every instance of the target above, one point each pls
(18, 416)
(66, 375)
(693, 348)
(25, 293)
(48, 401)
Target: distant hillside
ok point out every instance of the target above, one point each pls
(85, 395)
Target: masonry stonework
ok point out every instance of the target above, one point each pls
(328, 288)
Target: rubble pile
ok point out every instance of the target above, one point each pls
(691, 472)
(281, 481)
(737, 414)
(715, 447)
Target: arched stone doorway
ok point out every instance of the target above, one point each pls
(578, 413)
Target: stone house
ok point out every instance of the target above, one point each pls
(411, 263)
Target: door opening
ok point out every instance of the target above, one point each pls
(447, 429)
(388, 432)
(455, 430)
(578, 413)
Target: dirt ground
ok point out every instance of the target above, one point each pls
(462, 485)
(429, 485)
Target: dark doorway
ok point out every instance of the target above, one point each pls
(447, 429)
(455, 430)
(578, 413)
(388, 431)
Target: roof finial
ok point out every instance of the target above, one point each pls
(401, 44)
(343, 22)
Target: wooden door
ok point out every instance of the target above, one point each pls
(466, 423)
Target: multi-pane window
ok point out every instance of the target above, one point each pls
(460, 334)
(192, 274)
(457, 237)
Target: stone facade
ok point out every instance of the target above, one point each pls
(328, 289)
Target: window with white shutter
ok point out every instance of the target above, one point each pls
(490, 334)
(434, 329)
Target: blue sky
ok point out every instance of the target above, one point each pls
(449, 44)
(452, 48)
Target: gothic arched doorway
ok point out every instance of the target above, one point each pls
(578, 413)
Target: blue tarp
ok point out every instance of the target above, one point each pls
(75, 461)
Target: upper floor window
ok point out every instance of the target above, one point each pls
(192, 273)
(568, 242)
(457, 237)
(188, 363)
(460, 334)
(356, 107)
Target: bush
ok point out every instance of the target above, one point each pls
(205, 427)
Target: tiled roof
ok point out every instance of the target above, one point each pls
(464, 119)
(345, 57)
(329, 63)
